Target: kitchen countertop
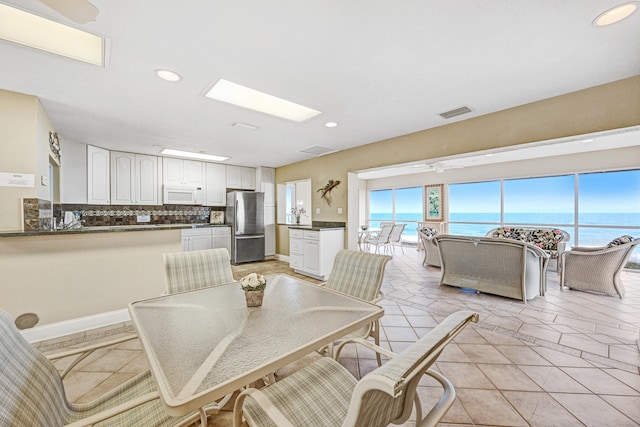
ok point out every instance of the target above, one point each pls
(107, 229)
(313, 228)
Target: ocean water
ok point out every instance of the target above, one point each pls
(596, 228)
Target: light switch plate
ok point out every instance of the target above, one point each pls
(317, 211)
(339, 211)
(44, 180)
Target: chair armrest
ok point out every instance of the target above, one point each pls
(369, 345)
(85, 351)
(124, 407)
(267, 406)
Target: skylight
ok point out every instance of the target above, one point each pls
(252, 99)
(34, 31)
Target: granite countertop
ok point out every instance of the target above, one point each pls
(108, 229)
(319, 226)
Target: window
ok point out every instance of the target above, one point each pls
(399, 205)
(608, 206)
(474, 208)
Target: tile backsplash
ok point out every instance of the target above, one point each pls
(39, 214)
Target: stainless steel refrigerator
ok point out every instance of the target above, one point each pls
(245, 214)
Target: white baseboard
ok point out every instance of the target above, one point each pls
(72, 326)
(282, 257)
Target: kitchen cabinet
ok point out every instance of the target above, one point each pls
(98, 184)
(182, 172)
(215, 184)
(134, 179)
(198, 239)
(241, 177)
(311, 252)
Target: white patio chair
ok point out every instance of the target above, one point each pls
(33, 392)
(186, 271)
(381, 238)
(395, 238)
(325, 394)
(360, 275)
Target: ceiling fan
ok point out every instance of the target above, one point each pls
(439, 167)
(79, 11)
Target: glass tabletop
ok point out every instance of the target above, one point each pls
(206, 343)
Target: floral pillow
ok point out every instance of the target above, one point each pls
(620, 241)
(545, 239)
(504, 232)
(429, 231)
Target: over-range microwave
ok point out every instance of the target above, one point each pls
(182, 195)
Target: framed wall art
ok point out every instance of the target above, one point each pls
(433, 202)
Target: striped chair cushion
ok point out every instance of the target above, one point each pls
(186, 271)
(358, 274)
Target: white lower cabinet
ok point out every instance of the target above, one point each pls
(198, 239)
(311, 252)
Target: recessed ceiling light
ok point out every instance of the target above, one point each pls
(192, 155)
(252, 99)
(168, 75)
(245, 125)
(34, 31)
(615, 14)
(331, 124)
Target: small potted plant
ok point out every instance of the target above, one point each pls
(253, 285)
(297, 213)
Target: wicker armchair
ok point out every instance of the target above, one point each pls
(33, 393)
(325, 394)
(360, 275)
(597, 269)
(186, 271)
(431, 253)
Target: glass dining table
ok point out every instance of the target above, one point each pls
(203, 344)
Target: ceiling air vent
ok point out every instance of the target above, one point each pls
(317, 150)
(455, 112)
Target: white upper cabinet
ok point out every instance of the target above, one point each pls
(146, 173)
(241, 177)
(134, 179)
(98, 176)
(182, 172)
(215, 185)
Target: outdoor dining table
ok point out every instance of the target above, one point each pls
(203, 344)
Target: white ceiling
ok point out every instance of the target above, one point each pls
(378, 68)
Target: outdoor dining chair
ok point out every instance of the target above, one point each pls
(395, 238)
(360, 275)
(325, 394)
(186, 271)
(191, 270)
(33, 392)
(381, 238)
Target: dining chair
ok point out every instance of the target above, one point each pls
(359, 274)
(33, 392)
(325, 394)
(395, 238)
(186, 271)
(597, 269)
(381, 238)
(191, 270)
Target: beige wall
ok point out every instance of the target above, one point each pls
(611, 106)
(66, 276)
(24, 143)
(18, 147)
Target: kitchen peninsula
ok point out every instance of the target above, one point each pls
(68, 274)
(312, 249)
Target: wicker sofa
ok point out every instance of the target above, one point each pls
(510, 268)
(552, 240)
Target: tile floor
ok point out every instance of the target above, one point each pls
(567, 359)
